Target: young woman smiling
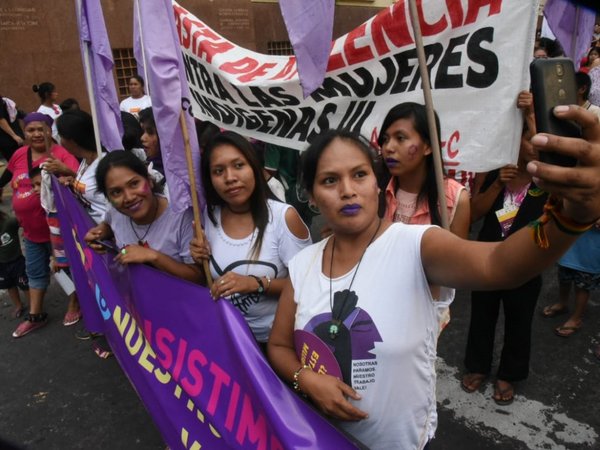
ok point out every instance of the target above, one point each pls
(251, 236)
(366, 290)
(145, 227)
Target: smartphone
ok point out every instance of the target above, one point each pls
(106, 245)
(552, 84)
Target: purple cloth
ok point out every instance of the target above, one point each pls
(137, 45)
(92, 33)
(170, 94)
(38, 117)
(310, 28)
(192, 360)
(573, 26)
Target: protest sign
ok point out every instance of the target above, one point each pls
(478, 54)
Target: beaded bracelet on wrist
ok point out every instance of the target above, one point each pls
(296, 378)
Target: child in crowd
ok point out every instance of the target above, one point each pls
(12, 263)
(58, 260)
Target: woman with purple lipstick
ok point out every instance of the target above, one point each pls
(411, 194)
(365, 292)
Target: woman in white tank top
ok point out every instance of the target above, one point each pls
(251, 237)
(355, 328)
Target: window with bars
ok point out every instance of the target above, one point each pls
(279, 48)
(125, 68)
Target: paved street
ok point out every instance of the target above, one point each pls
(57, 394)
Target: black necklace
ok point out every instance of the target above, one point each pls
(334, 328)
(141, 239)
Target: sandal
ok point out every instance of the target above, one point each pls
(503, 397)
(566, 332)
(471, 382)
(553, 311)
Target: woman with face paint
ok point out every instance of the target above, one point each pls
(251, 235)
(145, 227)
(365, 292)
(28, 210)
(411, 195)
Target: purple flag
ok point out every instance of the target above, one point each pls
(137, 44)
(170, 93)
(92, 33)
(310, 28)
(573, 26)
(192, 361)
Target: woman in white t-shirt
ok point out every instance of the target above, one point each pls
(48, 96)
(251, 235)
(76, 130)
(356, 327)
(137, 99)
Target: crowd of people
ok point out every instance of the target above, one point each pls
(379, 280)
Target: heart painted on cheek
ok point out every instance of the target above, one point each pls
(412, 151)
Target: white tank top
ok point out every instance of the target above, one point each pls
(391, 352)
(279, 245)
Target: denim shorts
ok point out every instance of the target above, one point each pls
(37, 263)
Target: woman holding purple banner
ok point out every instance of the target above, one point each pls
(145, 227)
(366, 291)
(251, 235)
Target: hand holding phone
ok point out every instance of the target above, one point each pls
(552, 84)
(105, 245)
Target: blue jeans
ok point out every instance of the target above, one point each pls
(37, 263)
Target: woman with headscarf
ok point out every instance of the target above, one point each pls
(29, 212)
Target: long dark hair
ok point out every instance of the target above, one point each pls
(78, 126)
(258, 199)
(418, 114)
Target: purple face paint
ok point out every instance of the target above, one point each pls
(412, 151)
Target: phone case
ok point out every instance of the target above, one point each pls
(552, 84)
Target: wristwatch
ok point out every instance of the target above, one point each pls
(261, 287)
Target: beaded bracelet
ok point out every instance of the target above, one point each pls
(296, 378)
(552, 211)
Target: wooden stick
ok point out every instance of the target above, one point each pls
(435, 139)
(198, 231)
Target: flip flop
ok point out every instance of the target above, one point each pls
(476, 380)
(501, 393)
(570, 331)
(549, 311)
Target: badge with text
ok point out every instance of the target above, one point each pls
(506, 217)
(313, 352)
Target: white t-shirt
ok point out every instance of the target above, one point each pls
(87, 192)
(53, 112)
(135, 105)
(171, 233)
(388, 356)
(279, 245)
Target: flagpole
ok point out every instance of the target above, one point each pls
(198, 231)
(435, 139)
(140, 30)
(90, 88)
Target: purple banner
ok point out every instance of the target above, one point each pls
(170, 96)
(92, 33)
(193, 361)
(310, 27)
